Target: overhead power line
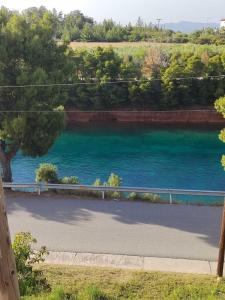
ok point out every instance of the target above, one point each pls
(116, 81)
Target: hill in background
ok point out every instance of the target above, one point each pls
(187, 26)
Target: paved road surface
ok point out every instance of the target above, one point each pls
(97, 226)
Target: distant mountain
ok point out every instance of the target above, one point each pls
(186, 26)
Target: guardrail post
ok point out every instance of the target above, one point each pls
(171, 199)
(103, 195)
(39, 189)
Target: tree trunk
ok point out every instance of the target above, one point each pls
(9, 289)
(6, 169)
(5, 159)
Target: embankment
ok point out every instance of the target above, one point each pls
(157, 117)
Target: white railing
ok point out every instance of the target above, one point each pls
(40, 187)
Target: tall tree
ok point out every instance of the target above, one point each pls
(30, 118)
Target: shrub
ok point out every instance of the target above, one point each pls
(151, 197)
(47, 173)
(30, 281)
(114, 180)
(70, 180)
(98, 182)
(133, 196)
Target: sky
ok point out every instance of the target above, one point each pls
(124, 11)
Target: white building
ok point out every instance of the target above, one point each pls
(222, 23)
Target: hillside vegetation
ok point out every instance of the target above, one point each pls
(125, 75)
(75, 26)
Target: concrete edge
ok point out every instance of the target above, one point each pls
(132, 262)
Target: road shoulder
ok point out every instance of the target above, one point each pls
(133, 262)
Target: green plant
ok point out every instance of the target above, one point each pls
(47, 173)
(31, 281)
(93, 293)
(59, 294)
(114, 180)
(133, 196)
(150, 197)
(98, 182)
(70, 180)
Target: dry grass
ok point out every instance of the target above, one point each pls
(92, 45)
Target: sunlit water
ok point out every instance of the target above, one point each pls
(142, 156)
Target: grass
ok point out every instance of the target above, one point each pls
(83, 283)
(139, 49)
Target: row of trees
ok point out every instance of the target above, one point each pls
(32, 117)
(75, 26)
(161, 81)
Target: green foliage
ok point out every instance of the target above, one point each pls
(128, 284)
(70, 180)
(220, 107)
(59, 294)
(98, 182)
(47, 173)
(30, 55)
(150, 197)
(31, 281)
(133, 196)
(166, 93)
(76, 26)
(223, 161)
(114, 180)
(93, 293)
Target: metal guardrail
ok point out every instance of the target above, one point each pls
(39, 187)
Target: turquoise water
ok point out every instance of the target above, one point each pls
(142, 156)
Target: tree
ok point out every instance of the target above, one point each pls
(220, 107)
(35, 117)
(154, 62)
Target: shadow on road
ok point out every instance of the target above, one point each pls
(204, 221)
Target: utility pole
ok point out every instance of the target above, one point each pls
(221, 246)
(158, 20)
(9, 289)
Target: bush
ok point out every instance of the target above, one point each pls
(30, 281)
(98, 182)
(70, 180)
(133, 196)
(151, 197)
(114, 180)
(47, 173)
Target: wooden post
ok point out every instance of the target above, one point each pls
(9, 289)
(221, 246)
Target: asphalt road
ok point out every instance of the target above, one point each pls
(97, 226)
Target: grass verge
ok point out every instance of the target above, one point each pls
(83, 283)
